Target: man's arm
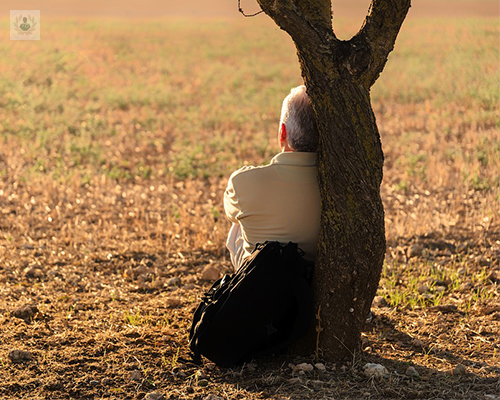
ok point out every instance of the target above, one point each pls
(231, 204)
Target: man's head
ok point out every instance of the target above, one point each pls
(298, 131)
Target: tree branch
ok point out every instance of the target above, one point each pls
(380, 29)
(245, 14)
(304, 21)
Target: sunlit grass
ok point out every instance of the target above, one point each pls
(422, 285)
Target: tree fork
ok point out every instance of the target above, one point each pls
(338, 76)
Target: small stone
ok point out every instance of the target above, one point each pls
(459, 370)
(412, 372)
(303, 367)
(375, 371)
(487, 309)
(210, 273)
(154, 396)
(203, 383)
(320, 366)
(189, 286)
(26, 312)
(445, 308)
(135, 375)
(94, 383)
(165, 339)
(379, 301)
(33, 273)
(422, 289)
(141, 270)
(19, 356)
(415, 250)
(174, 302)
(176, 281)
(54, 274)
(157, 284)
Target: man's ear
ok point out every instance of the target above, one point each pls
(283, 133)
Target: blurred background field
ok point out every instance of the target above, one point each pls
(117, 135)
(105, 102)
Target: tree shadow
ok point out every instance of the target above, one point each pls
(443, 246)
(274, 376)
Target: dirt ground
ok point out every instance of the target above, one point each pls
(99, 323)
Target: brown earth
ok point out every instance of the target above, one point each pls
(106, 316)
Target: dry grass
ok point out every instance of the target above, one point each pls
(115, 144)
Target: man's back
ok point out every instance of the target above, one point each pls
(279, 201)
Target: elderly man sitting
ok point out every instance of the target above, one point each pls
(280, 201)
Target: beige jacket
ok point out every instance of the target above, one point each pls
(279, 201)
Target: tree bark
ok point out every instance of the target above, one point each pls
(338, 76)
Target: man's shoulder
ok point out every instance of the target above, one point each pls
(249, 172)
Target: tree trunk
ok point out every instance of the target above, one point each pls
(338, 76)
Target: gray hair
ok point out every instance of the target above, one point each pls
(298, 116)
